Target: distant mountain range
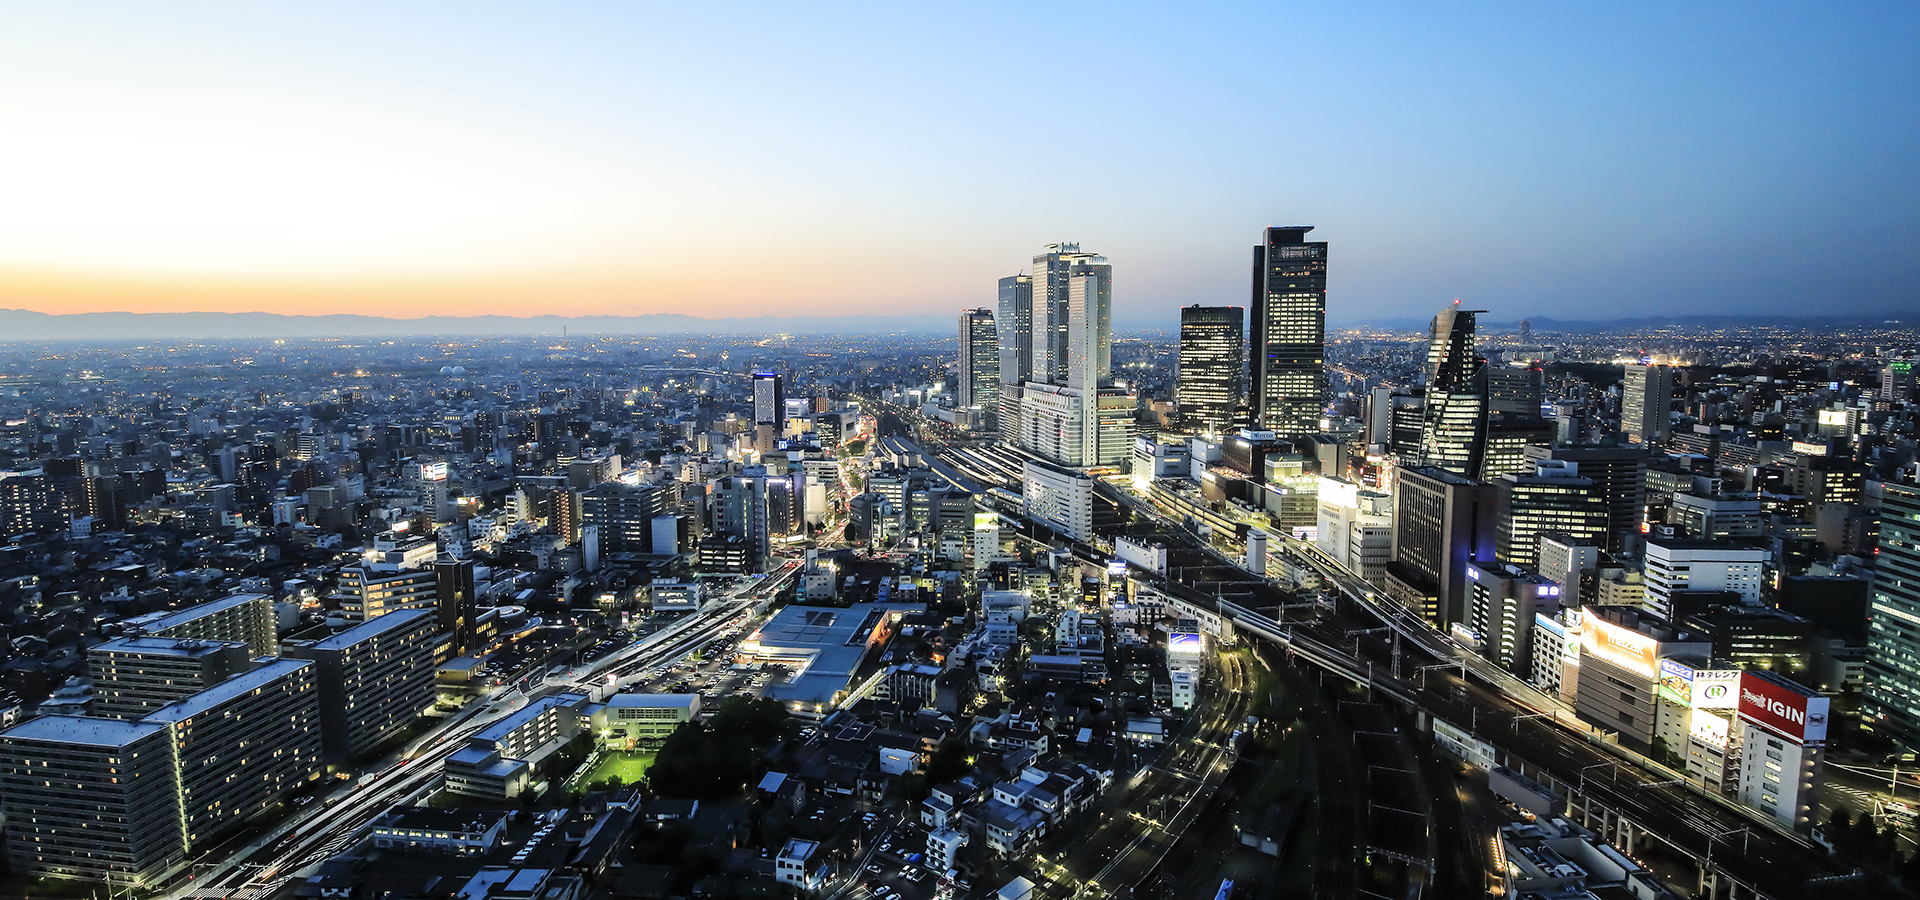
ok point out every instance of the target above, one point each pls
(26, 325)
(1642, 323)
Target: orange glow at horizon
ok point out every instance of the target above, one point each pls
(708, 291)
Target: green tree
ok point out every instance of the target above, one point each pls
(719, 758)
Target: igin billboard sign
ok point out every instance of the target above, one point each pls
(1785, 709)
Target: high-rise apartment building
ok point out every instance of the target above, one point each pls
(458, 604)
(979, 374)
(1288, 331)
(91, 798)
(243, 745)
(366, 594)
(247, 618)
(1213, 354)
(135, 676)
(1893, 636)
(375, 679)
(1646, 404)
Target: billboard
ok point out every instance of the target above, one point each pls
(1622, 647)
(1676, 681)
(1708, 728)
(1786, 709)
(434, 471)
(1716, 690)
(1186, 643)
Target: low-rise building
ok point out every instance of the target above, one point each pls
(455, 832)
(632, 721)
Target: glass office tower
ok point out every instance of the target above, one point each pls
(1289, 331)
(1212, 365)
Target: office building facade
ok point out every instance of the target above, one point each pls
(1287, 332)
(1015, 335)
(1646, 403)
(1552, 499)
(1059, 498)
(1619, 476)
(1212, 366)
(979, 371)
(1454, 415)
(1893, 635)
(1441, 523)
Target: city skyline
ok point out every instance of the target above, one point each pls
(616, 162)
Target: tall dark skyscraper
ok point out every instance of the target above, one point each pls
(1213, 354)
(456, 602)
(1288, 343)
(1015, 324)
(979, 361)
(1453, 436)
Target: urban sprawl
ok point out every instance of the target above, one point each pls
(1029, 611)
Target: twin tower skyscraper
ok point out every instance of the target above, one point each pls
(1044, 364)
(1055, 347)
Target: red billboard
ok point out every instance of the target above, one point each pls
(1784, 708)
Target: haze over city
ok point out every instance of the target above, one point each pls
(766, 160)
(904, 452)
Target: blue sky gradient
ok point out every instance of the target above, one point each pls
(1530, 159)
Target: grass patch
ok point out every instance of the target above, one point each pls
(628, 766)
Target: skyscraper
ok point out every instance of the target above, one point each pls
(769, 411)
(1015, 323)
(1289, 331)
(1212, 365)
(1441, 523)
(1052, 277)
(769, 400)
(1646, 404)
(979, 362)
(1068, 410)
(1453, 434)
(1893, 638)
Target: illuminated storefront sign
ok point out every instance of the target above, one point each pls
(1787, 710)
(1708, 728)
(1716, 690)
(1622, 647)
(1676, 681)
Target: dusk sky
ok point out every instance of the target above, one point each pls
(1566, 160)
